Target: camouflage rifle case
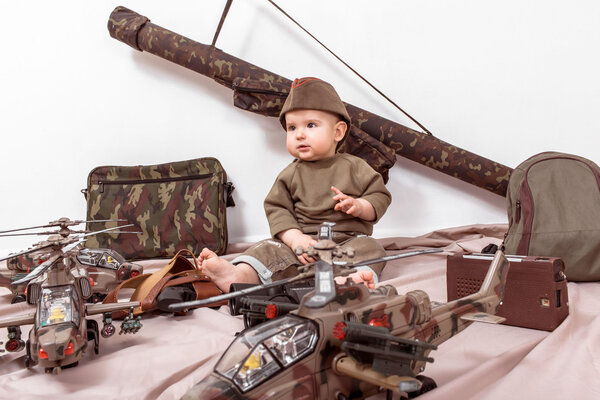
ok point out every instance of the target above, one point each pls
(178, 205)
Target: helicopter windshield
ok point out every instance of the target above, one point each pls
(259, 352)
(57, 306)
(100, 258)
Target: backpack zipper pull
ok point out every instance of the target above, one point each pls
(518, 212)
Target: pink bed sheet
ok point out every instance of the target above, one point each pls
(172, 353)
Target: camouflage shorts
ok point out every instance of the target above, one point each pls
(273, 260)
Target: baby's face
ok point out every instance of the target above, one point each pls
(313, 135)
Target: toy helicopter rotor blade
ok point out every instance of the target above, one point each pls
(58, 233)
(324, 286)
(35, 233)
(38, 270)
(36, 248)
(392, 257)
(137, 232)
(24, 229)
(68, 222)
(226, 296)
(81, 239)
(71, 246)
(50, 224)
(106, 230)
(89, 221)
(59, 223)
(20, 253)
(105, 220)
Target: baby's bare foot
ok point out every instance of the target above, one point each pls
(223, 273)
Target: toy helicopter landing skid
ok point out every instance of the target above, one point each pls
(58, 288)
(359, 343)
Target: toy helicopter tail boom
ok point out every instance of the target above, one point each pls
(492, 287)
(482, 305)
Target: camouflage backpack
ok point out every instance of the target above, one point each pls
(553, 204)
(177, 205)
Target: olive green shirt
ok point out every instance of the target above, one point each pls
(301, 196)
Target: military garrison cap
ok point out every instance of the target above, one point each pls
(314, 94)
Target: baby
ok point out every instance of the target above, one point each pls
(320, 185)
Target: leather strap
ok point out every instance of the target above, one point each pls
(204, 290)
(147, 291)
(113, 296)
(147, 287)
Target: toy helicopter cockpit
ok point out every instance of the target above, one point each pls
(58, 305)
(256, 355)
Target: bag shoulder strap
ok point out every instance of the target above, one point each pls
(148, 286)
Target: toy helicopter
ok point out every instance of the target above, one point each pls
(345, 341)
(58, 288)
(105, 267)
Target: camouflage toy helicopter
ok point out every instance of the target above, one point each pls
(58, 288)
(105, 267)
(344, 341)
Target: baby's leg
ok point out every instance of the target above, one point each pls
(366, 248)
(223, 273)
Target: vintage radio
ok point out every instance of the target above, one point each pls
(535, 295)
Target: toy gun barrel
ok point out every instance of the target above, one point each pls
(291, 293)
(390, 357)
(374, 335)
(345, 365)
(283, 307)
(256, 311)
(373, 138)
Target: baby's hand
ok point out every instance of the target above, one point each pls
(363, 276)
(345, 203)
(359, 208)
(295, 238)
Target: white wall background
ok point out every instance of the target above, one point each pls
(504, 80)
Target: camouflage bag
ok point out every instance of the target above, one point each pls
(178, 205)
